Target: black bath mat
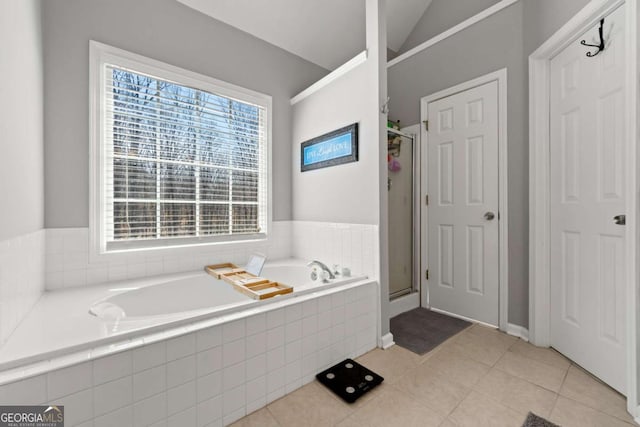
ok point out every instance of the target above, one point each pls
(349, 380)
(420, 330)
(535, 421)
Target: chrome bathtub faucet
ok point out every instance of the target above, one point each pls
(323, 266)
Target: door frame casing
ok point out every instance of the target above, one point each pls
(539, 179)
(499, 76)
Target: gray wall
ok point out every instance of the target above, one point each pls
(503, 40)
(354, 192)
(442, 15)
(487, 46)
(345, 193)
(542, 18)
(21, 158)
(167, 31)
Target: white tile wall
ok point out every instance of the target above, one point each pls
(349, 245)
(22, 263)
(68, 263)
(184, 382)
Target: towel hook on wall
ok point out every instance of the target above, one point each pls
(599, 46)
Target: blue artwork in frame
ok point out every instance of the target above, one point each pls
(331, 149)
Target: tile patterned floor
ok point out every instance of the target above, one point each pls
(479, 377)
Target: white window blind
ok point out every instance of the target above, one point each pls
(181, 164)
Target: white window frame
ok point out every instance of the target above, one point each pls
(101, 54)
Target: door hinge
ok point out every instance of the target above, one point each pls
(426, 125)
(426, 274)
(426, 200)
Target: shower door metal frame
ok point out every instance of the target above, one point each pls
(415, 196)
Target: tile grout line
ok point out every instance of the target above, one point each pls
(593, 377)
(419, 402)
(541, 362)
(598, 410)
(470, 390)
(272, 415)
(564, 378)
(417, 398)
(555, 403)
(531, 382)
(592, 408)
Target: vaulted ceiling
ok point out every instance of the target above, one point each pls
(325, 32)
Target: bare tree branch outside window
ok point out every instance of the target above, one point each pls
(186, 162)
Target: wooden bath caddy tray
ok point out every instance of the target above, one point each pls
(247, 283)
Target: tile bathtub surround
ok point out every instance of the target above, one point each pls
(349, 245)
(22, 266)
(68, 263)
(213, 376)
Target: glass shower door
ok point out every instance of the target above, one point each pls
(401, 173)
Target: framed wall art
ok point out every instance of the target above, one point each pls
(331, 149)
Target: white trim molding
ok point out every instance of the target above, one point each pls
(332, 76)
(499, 76)
(101, 247)
(404, 303)
(518, 331)
(633, 226)
(539, 215)
(451, 31)
(466, 319)
(386, 341)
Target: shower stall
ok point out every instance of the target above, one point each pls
(404, 214)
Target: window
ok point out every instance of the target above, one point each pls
(182, 158)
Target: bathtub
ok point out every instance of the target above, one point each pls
(200, 292)
(211, 359)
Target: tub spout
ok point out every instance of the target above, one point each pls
(323, 266)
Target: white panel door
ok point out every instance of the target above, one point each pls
(587, 271)
(462, 229)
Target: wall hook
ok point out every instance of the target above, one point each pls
(385, 106)
(599, 46)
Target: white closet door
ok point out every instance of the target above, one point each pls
(463, 204)
(587, 170)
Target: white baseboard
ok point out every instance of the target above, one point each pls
(518, 331)
(468, 319)
(387, 341)
(404, 303)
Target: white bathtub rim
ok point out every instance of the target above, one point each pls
(175, 321)
(21, 369)
(221, 309)
(133, 327)
(127, 286)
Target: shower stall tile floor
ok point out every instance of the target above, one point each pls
(478, 377)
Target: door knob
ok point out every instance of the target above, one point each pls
(620, 219)
(489, 216)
